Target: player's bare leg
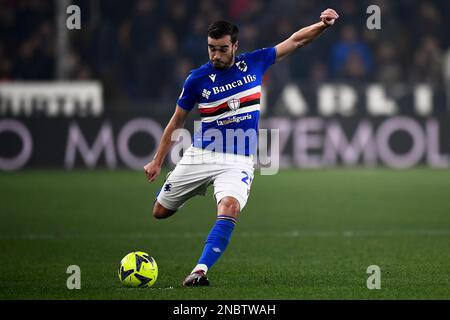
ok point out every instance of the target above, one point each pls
(228, 210)
(159, 212)
(229, 206)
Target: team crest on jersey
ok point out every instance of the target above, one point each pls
(241, 65)
(234, 104)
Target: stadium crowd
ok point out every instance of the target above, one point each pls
(143, 49)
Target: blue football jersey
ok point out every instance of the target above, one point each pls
(228, 102)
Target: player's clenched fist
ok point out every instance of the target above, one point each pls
(152, 171)
(329, 16)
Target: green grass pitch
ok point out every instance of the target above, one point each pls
(303, 235)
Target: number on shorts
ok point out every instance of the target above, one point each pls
(246, 178)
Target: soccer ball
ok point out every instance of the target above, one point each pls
(138, 269)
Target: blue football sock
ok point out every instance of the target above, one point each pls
(217, 240)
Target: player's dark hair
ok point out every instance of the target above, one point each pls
(219, 29)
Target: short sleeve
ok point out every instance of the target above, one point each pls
(265, 56)
(187, 98)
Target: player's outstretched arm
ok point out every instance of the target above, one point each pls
(153, 168)
(306, 35)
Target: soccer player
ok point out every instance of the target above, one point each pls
(227, 91)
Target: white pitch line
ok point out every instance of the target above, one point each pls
(185, 235)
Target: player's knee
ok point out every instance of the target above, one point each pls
(229, 206)
(159, 212)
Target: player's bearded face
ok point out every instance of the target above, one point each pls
(222, 52)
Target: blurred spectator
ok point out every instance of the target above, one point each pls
(388, 70)
(144, 26)
(245, 10)
(428, 62)
(248, 37)
(182, 70)
(351, 57)
(5, 65)
(319, 73)
(178, 16)
(428, 21)
(446, 65)
(195, 40)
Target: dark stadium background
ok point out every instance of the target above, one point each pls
(364, 150)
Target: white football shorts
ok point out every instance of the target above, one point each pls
(230, 174)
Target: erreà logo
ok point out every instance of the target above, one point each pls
(241, 65)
